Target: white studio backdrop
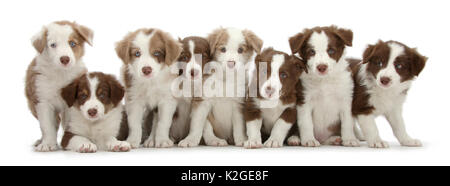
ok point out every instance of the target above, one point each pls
(421, 24)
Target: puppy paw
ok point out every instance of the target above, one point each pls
(46, 147)
(293, 141)
(310, 143)
(239, 143)
(134, 143)
(252, 144)
(86, 148)
(334, 140)
(164, 143)
(188, 142)
(149, 143)
(377, 144)
(217, 142)
(350, 142)
(119, 146)
(273, 143)
(411, 143)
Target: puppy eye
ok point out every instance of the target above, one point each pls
(223, 49)
(53, 45)
(83, 97)
(380, 64)
(240, 50)
(101, 96)
(72, 44)
(283, 75)
(185, 58)
(398, 66)
(312, 52)
(137, 54)
(157, 54)
(331, 51)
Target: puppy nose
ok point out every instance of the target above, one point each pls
(322, 68)
(385, 80)
(92, 112)
(231, 64)
(194, 73)
(269, 90)
(147, 70)
(64, 60)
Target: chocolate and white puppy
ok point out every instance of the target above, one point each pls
(324, 109)
(97, 118)
(147, 56)
(60, 47)
(220, 114)
(382, 81)
(274, 108)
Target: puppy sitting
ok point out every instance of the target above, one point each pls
(60, 47)
(97, 118)
(273, 109)
(382, 81)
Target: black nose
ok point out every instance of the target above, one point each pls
(322, 68)
(194, 72)
(147, 70)
(385, 80)
(92, 112)
(64, 60)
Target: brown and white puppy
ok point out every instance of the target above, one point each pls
(195, 54)
(147, 56)
(324, 109)
(274, 108)
(60, 47)
(231, 50)
(97, 118)
(382, 81)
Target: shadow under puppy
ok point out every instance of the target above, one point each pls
(97, 117)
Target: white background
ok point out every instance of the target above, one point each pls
(422, 24)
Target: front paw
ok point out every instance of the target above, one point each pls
(252, 144)
(273, 143)
(149, 143)
(350, 142)
(377, 144)
(216, 142)
(294, 141)
(45, 147)
(188, 142)
(411, 143)
(163, 143)
(134, 143)
(86, 148)
(310, 143)
(119, 146)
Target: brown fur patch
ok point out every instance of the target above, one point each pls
(123, 131)
(30, 88)
(40, 43)
(360, 102)
(289, 115)
(251, 110)
(66, 139)
(164, 43)
(83, 32)
(217, 38)
(124, 47)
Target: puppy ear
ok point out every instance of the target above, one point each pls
(368, 53)
(69, 93)
(117, 90)
(296, 42)
(85, 32)
(345, 35)
(418, 62)
(173, 48)
(213, 39)
(122, 50)
(39, 40)
(254, 41)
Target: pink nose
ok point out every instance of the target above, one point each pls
(322, 68)
(92, 112)
(64, 60)
(270, 91)
(385, 80)
(231, 64)
(194, 73)
(147, 70)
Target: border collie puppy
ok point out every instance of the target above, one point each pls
(221, 115)
(324, 113)
(195, 54)
(147, 56)
(60, 47)
(382, 81)
(273, 110)
(97, 117)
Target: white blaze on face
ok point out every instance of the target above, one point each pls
(93, 102)
(194, 64)
(142, 42)
(319, 42)
(272, 87)
(58, 44)
(235, 40)
(389, 71)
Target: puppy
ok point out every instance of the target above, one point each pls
(147, 56)
(220, 113)
(97, 118)
(382, 81)
(324, 104)
(274, 108)
(60, 47)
